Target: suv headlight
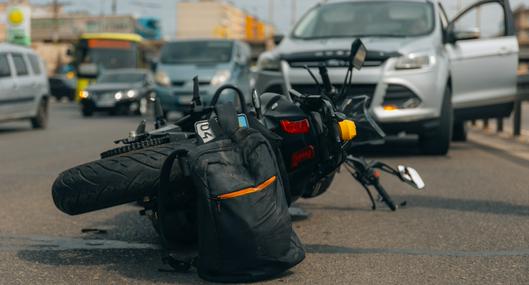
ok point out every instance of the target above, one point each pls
(268, 62)
(162, 78)
(220, 77)
(414, 61)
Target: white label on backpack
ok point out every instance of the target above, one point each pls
(204, 131)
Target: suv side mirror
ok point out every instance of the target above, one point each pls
(463, 35)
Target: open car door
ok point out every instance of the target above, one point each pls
(483, 49)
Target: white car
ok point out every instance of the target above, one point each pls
(24, 86)
(426, 74)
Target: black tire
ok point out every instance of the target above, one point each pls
(460, 132)
(438, 143)
(40, 121)
(110, 182)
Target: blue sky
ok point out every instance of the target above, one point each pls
(166, 9)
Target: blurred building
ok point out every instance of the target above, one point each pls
(521, 20)
(3, 26)
(223, 20)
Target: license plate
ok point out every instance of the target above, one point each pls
(203, 130)
(105, 101)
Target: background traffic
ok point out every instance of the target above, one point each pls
(420, 69)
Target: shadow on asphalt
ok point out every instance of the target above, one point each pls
(464, 205)
(141, 264)
(17, 129)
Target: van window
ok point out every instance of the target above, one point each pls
(20, 64)
(34, 61)
(5, 71)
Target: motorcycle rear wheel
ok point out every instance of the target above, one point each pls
(112, 181)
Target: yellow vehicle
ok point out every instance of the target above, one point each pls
(97, 52)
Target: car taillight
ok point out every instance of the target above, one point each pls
(295, 127)
(301, 156)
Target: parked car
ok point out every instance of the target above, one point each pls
(420, 68)
(215, 62)
(119, 91)
(62, 87)
(24, 86)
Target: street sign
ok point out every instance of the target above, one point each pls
(18, 20)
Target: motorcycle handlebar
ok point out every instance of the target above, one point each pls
(327, 87)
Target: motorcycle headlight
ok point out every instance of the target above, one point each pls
(268, 62)
(132, 93)
(413, 61)
(220, 77)
(162, 78)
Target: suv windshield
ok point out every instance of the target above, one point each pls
(121, 78)
(364, 19)
(196, 52)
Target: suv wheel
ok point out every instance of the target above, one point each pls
(439, 142)
(460, 132)
(40, 121)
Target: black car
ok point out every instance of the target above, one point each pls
(120, 91)
(62, 87)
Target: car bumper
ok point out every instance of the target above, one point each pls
(427, 84)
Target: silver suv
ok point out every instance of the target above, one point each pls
(23, 86)
(426, 74)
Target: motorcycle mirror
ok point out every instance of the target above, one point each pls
(411, 176)
(358, 54)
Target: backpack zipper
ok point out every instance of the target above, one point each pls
(242, 192)
(247, 191)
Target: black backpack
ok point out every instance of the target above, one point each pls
(245, 230)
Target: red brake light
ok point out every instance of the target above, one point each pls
(301, 156)
(295, 127)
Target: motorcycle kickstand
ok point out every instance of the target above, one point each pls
(371, 198)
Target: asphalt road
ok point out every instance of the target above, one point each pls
(470, 226)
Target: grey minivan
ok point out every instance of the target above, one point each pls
(426, 74)
(24, 86)
(215, 62)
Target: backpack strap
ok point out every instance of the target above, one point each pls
(180, 266)
(228, 121)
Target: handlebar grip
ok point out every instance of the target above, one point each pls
(325, 79)
(385, 196)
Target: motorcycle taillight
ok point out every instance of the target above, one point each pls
(300, 156)
(295, 127)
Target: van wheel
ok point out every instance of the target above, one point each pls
(40, 121)
(460, 132)
(439, 142)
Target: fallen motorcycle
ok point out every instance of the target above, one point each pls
(314, 136)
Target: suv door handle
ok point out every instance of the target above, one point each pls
(505, 51)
